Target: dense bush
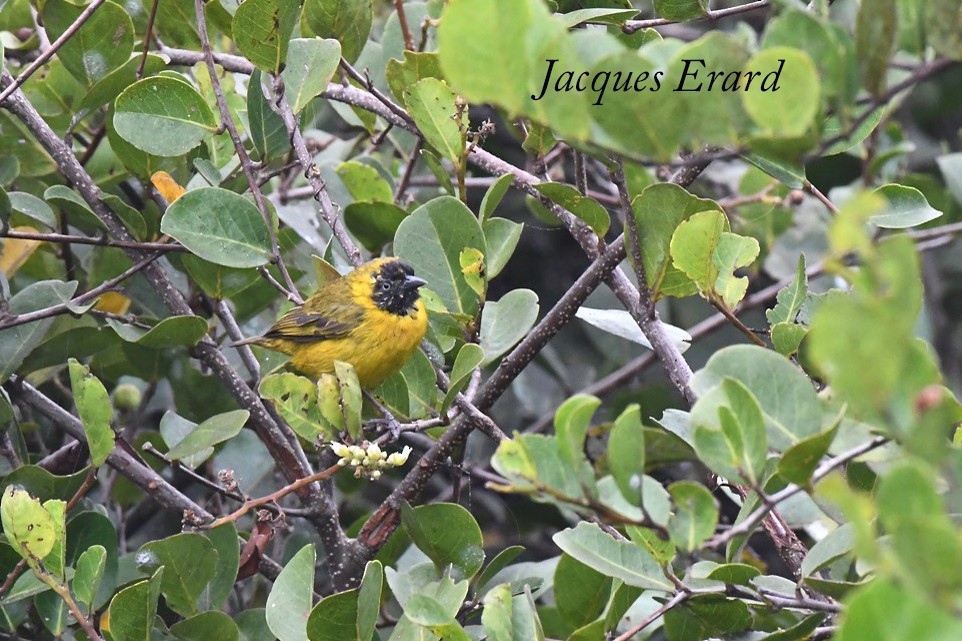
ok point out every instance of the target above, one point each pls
(681, 379)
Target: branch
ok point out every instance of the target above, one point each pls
(770, 502)
(313, 174)
(631, 26)
(243, 158)
(78, 301)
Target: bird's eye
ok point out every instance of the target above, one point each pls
(385, 285)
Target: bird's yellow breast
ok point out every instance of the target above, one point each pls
(377, 347)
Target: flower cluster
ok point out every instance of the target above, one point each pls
(368, 459)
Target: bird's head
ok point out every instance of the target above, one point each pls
(395, 286)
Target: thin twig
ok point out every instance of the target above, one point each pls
(148, 36)
(275, 496)
(770, 502)
(631, 26)
(313, 174)
(242, 155)
(403, 21)
(82, 299)
(87, 240)
(679, 598)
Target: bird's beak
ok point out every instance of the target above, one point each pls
(413, 282)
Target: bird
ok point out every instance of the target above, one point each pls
(372, 317)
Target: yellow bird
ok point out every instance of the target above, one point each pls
(372, 318)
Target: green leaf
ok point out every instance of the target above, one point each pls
(875, 38)
(658, 211)
(788, 302)
(365, 182)
(374, 224)
(132, 610)
(597, 16)
(416, 66)
(907, 207)
(207, 626)
(571, 423)
(506, 322)
(16, 343)
(867, 362)
(348, 21)
(626, 453)
(619, 559)
(174, 331)
(349, 398)
(29, 527)
(800, 460)
(295, 399)
(585, 208)
(580, 592)
(706, 616)
(289, 602)
(75, 209)
(739, 449)
(214, 430)
(95, 410)
(163, 116)
(103, 43)
(334, 618)
(110, 86)
(502, 236)
(89, 572)
(495, 51)
(369, 600)
(493, 197)
(785, 108)
(833, 546)
(791, 173)
(881, 610)
(787, 399)
(219, 226)
(311, 63)
(190, 563)
(708, 254)
(432, 105)
(638, 123)
(469, 358)
(447, 534)
(497, 615)
(734, 573)
(431, 240)
(224, 540)
(35, 208)
(663, 550)
(176, 24)
(266, 128)
(695, 515)
(681, 10)
(262, 30)
(502, 560)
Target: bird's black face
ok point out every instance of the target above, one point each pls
(396, 288)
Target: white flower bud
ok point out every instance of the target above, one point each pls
(340, 449)
(398, 459)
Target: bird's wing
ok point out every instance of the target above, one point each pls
(317, 322)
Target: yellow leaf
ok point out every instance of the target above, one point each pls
(167, 186)
(113, 303)
(16, 251)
